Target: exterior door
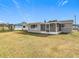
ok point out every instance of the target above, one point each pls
(52, 27)
(59, 27)
(47, 27)
(42, 27)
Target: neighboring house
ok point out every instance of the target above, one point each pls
(3, 27)
(6, 26)
(51, 27)
(11, 27)
(25, 27)
(76, 27)
(20, 27)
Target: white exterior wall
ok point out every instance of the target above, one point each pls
(26, 28)
(21, 28)
(18, 28)
(68, 28)
(37, 29)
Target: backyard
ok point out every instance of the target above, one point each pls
(24, 44)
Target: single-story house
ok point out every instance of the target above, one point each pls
(18, 27)
(51, 27)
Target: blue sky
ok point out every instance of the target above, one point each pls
(16, 11)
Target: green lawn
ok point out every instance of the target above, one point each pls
(24, 44)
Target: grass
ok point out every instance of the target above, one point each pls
(24, 44)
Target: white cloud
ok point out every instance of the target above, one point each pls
(59, 2)
(62, 2)
(16, 3)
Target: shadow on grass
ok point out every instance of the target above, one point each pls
(39, 34)
(32, 34)
(64, 33)
(5, 31)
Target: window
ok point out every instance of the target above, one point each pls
(62, 25)
(33, 26)
(47, 26)
(58, 24)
